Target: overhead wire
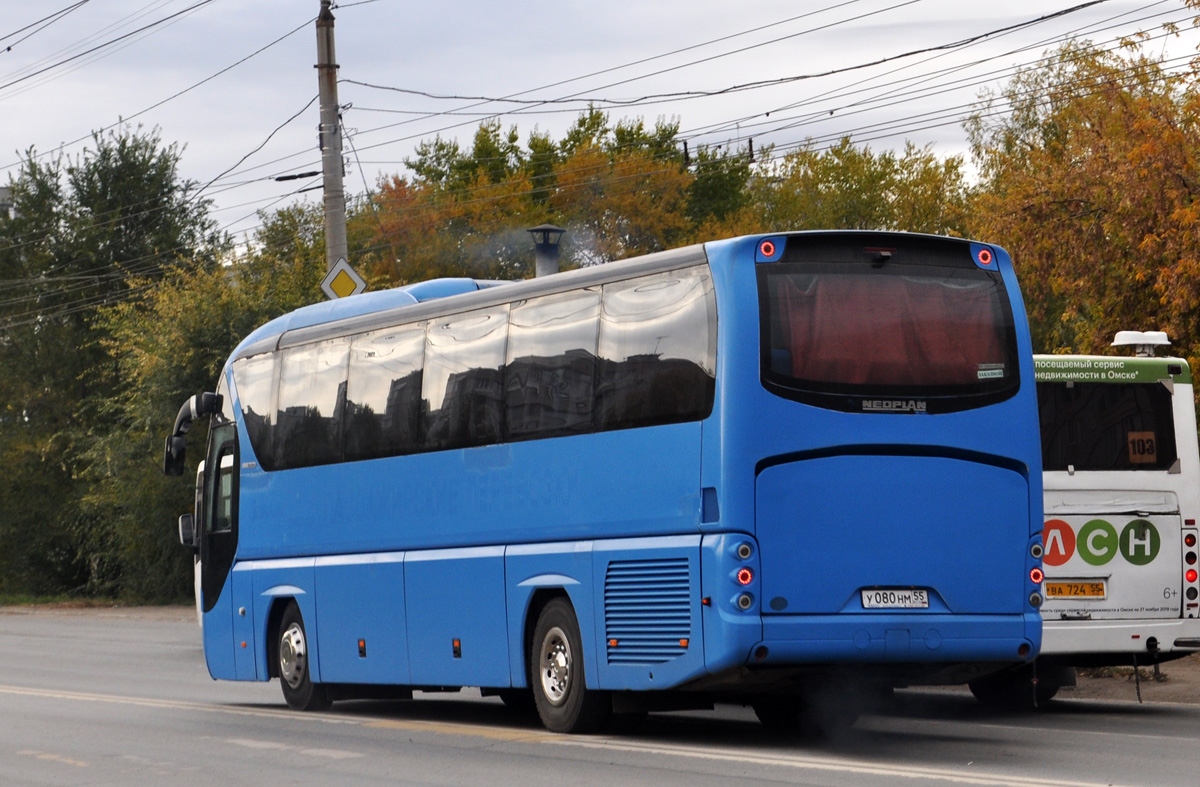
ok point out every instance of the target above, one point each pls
(639, 175)
(118, 39)
(47, 20)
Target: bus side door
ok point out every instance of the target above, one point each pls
(218, 535)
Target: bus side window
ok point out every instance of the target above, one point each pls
(255, 378)
(463, 381)
(383, 395)
(549, 379)
(312, 386)
(657, 350)
(222, 519)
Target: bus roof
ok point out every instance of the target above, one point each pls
(1109, 369)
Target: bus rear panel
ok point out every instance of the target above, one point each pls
(1122, 498)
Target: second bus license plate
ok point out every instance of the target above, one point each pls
(1077, 589)
(895, 599)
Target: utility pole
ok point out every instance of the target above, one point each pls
(330, 136)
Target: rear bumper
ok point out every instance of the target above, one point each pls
(1063, 637)
(790, 640)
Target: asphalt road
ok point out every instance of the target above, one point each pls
(108, 697)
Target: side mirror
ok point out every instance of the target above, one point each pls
(174, 455)
(176, 449)
(187, 531)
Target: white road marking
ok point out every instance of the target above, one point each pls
(844, 765)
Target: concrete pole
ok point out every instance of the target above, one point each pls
(330, 136)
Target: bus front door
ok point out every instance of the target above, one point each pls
(218, 533)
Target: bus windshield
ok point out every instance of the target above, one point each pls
(843, 334)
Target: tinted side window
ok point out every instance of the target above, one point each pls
(254, 378)
(312, 389)
(383, 394)
(657, 350)
(549, 380)
(463, 385)
(1106, 426)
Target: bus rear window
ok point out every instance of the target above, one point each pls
(1106, 426)
(931, 335)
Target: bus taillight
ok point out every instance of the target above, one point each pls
(1189, 540)
(1036, 575)
(745, 576)
(1191, 575)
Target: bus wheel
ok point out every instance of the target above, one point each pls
(778, 714)
(299, 691)
(1014, 689)
(557, 676)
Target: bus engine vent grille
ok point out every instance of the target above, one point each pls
(647, 618)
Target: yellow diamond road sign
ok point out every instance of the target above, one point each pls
(342, 281)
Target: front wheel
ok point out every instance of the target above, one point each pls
(556, 674)
(299, 691)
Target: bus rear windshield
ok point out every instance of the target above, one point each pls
(852, 335)
(1106, 426)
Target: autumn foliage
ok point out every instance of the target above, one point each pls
(1092, 182)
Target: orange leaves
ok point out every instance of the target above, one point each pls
(1091, 193)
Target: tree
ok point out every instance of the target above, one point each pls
(87, 232)
(1092, 183)
(845, 187)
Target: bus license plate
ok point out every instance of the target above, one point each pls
(1077, 589)
(895, 599)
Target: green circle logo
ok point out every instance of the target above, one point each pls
(1140, 542)
(1097, 542)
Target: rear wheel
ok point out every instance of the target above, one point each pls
(1015, 689)
(556, 674)
(817, 712)
(299, 691)
(778, 714)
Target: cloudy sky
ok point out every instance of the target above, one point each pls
(234, 83)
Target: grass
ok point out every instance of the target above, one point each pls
(63, 602)
(1144, 673)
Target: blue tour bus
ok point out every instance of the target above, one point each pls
(773, 470)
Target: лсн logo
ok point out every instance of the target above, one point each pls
(1098, 542)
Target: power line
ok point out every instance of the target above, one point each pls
(49, 20)
(106, 44)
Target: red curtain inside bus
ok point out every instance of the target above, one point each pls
(883, 329)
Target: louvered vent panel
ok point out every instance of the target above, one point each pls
(646, 610)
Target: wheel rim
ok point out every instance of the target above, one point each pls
(293, 656)
(556, 666)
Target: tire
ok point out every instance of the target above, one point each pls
(1013, 689)
(779, 714)
(818, 713)
(299, 691)
(557, 677)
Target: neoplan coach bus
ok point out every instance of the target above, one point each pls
(764, 469)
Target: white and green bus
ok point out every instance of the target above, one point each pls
(1122, 500)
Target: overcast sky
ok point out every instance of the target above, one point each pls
(174, 65)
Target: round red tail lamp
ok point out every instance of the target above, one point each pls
(984, 256)
(1036, 575)
(745, 576)
(767, 248)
